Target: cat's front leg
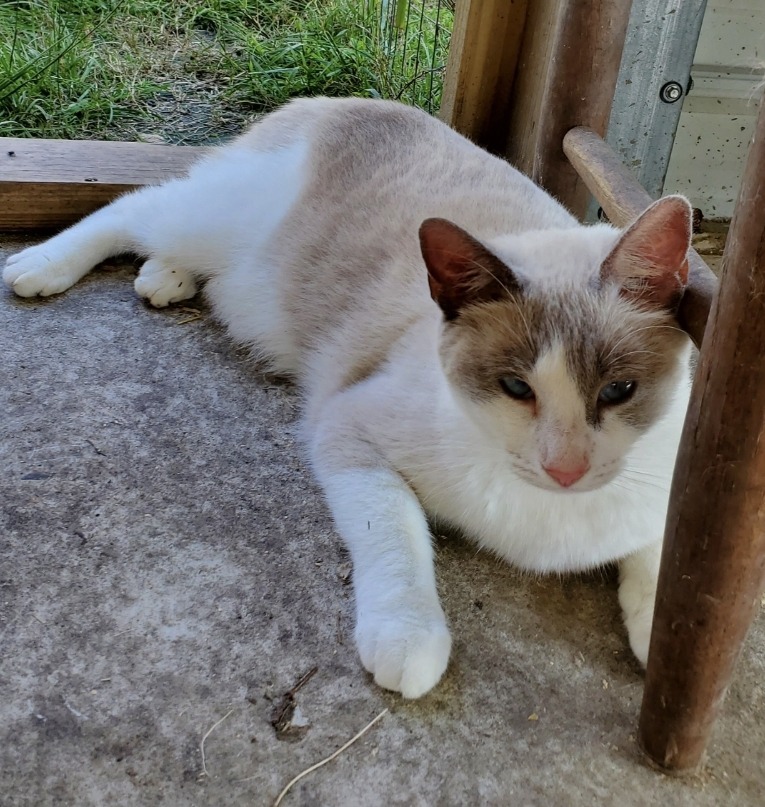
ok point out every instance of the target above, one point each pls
(401, 630)
(638, 576)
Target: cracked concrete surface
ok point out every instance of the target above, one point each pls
(167, 559)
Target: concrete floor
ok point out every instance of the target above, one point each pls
(167, 560)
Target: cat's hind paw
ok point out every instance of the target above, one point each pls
(161, 284)
(404, 653)
(42, 270)
(637, 603)
(638, 575)
(639, 632)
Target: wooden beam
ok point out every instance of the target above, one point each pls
(567, 76)
(530, 80)
(623, 200)
(713, 565)
(483, 53)
(50, 184)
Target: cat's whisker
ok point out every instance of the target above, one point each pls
(482, 267)
(630, 483)
(633, 333)
(630, 470)
(643, 352)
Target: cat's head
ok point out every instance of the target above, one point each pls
(563, 345)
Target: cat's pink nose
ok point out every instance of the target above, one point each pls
(566, 477)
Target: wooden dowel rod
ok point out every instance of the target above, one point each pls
(713, 565)
(623, 200)
(620, 195)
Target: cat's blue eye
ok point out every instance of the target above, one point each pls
(617, 392)
(516, 388)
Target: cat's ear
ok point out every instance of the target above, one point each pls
(650, 260)
(461, 271)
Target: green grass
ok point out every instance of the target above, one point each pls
(193, 71)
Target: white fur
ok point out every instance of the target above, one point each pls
(400, 439)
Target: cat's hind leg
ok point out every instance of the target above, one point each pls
(161, 283)
(638, 577)
(58, 263)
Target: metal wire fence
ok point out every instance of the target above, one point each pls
(414, 40)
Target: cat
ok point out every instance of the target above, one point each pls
(467, 351)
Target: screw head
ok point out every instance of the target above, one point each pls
(671, 92)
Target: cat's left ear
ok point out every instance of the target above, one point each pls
(461, 271)
(650, 260)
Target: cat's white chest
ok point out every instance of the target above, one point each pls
(547, 531)
(475, 488)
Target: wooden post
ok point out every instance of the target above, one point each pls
(530, 80)
(623, 200)
(712, 569)
(483, 53)
(566, 77)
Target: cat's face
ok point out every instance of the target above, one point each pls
(563, 345)
(564, 383)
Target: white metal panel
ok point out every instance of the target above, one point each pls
(718, 115)
(658, 52)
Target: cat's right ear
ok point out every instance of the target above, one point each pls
(461, 271)
(650, 260)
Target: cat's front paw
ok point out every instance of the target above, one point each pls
(406, 652)
(42, 270)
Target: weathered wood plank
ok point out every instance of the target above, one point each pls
(483, 54)
(520, 128)
(713, 565)
(49, 184)
(623, 199)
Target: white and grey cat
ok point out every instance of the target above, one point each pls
(466, 349)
